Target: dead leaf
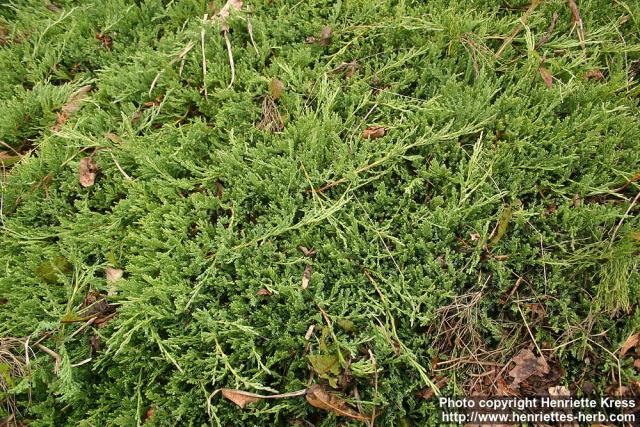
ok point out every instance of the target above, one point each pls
(636, 364)
(350, 68)
(559, 391)
(96, 304)
(373, 132)
(474, 237)
(264, 291)
(325, 36)
(306, 276)
(577, 21)
(148, 414)
(428, 393)
(72, 105)
(243, 398)
(105, 39)
(320, 398)
(546, 76)
(527, 365)
(310, 330)
(594, 74)
(75, 100)
(225, 12)
(53, 7)
(276, 88)
(311, 253)
(95, 343)
(632, 341)
(113, 138)
(88, 170)
(113, 274)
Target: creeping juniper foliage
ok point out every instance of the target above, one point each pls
(454, 184)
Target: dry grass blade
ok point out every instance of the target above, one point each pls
(322, 399)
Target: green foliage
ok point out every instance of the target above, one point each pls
(484, 175)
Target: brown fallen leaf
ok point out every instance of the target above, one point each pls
(148, 414)
(373, 132)
(311, 253)
(264, 291)
(325, 36)
(276, 88)
(322, 399)
(113, 138)
(113, 274)
(527, 365)
(546, 76)
(632, 341)
(75, 100)
(348, 67)
(88, 171)
(306, 276)
(594, 74)
(428, 393)
(243, 398)
(105, 39)
(72, 105)
(96, 304)
(576, 19)
(559, 391)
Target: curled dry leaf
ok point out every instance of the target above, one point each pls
(276, 88)
(322, 399)
(546, 76)
(264, 291)
(311, 253)
(373, 132)
(88, 171)
(527, 365)
(594, 74)
(631, 342)
(243, 398)
(306, 276)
